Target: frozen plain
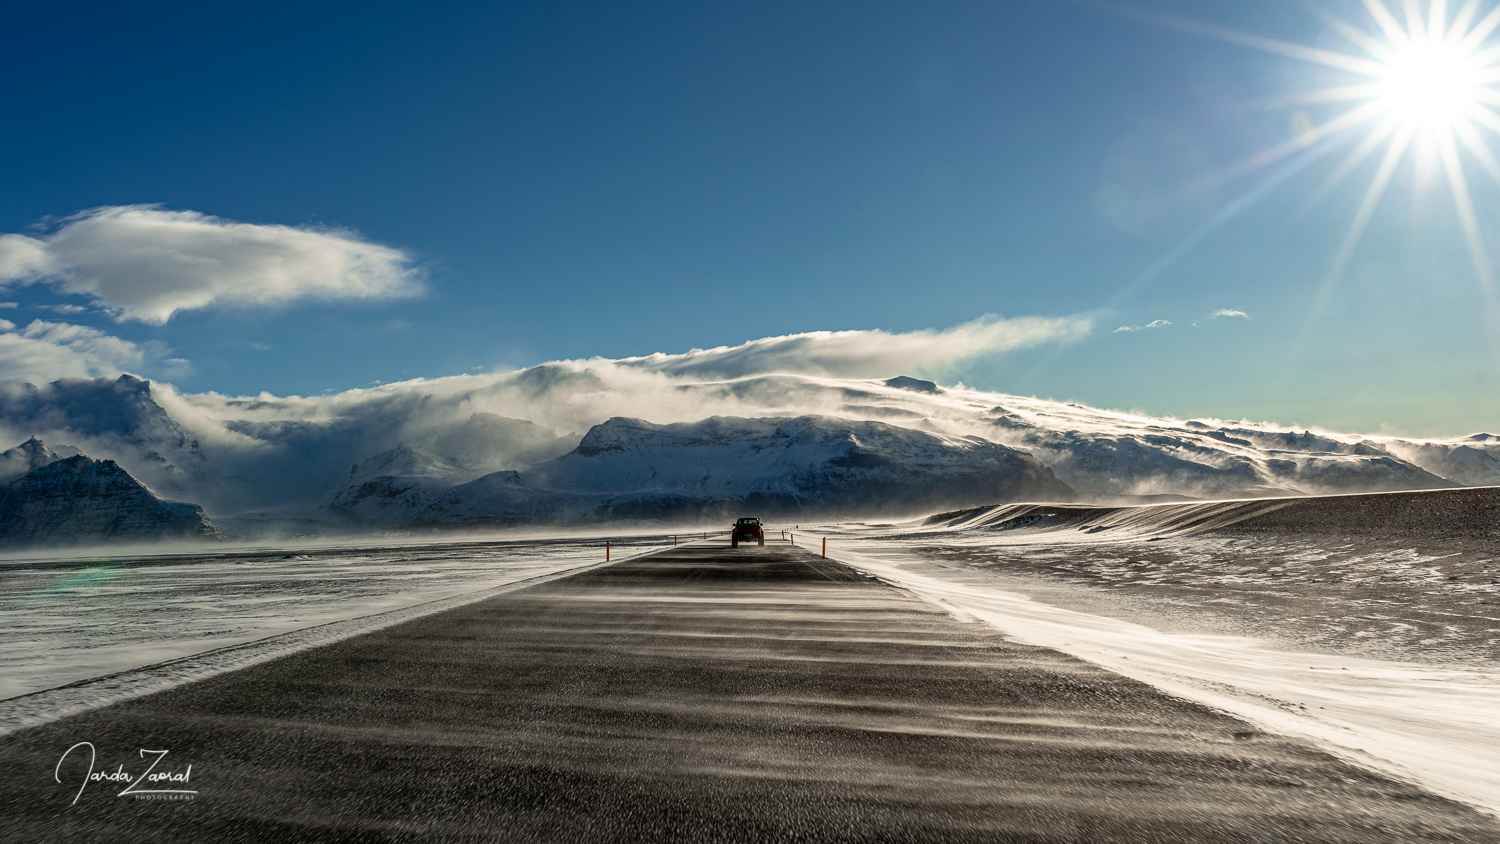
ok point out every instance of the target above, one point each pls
(1378, 645)
(85, 633)
(1302, 662)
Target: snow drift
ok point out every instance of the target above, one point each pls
(1430, 513)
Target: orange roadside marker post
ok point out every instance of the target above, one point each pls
(825, 547)
(674, 542)
(794, 539)
(606, 552)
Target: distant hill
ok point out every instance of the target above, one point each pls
(72, 500)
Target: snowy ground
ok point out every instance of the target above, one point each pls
(1382, 651)
(1287, 634)
(117, 628)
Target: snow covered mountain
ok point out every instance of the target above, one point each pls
(632, 469)
(75, 500)
(272, 458)
(116, 417)
(32, 454)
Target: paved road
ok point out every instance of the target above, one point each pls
(700, 694)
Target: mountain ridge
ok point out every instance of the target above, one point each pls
(627, 468)
(272, 458)
(74, 500)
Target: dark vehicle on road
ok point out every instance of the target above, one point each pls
(746, 530)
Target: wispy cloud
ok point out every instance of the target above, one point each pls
(146, 263)
(1226, 312)
(866, 354)
(63, 309)
(1159, 323)
(10, 304)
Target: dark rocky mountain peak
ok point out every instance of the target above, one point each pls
(77, 500)
(906, 382)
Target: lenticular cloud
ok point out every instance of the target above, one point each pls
(146, 263)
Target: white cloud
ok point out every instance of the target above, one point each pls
(1226, 312)
(10, 304)
(865, 354)
(1160, 323)
(146, 263)
(45, 351)
(63, 309)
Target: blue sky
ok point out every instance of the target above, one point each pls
(573, 180)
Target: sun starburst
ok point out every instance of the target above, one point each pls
(1419, 78)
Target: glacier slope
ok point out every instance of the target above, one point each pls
(632, 469)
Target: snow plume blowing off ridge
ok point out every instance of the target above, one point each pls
(237, 454)
(868, 354)
(145, 263)
(289, 456)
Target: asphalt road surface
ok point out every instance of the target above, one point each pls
(700, 694)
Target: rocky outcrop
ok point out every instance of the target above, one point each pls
(77, 500)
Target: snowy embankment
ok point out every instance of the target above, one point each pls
(1429, 722)
(83, 636)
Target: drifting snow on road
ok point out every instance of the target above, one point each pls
(116, 629)
(1429, 722)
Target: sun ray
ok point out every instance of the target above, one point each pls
(1369, 44)
(1393, 155)
(1388, 24)
(1356, 157)
(1483, 59)
(1334, 94)
(1461, 22)
(1481, 31)
(1228, 212)
(1475, 144)
(1312, 55)
(1415, 26)
(1267, 157)
(1437, 21)
(1373, 195)
(1430, 92)
(1464, 204)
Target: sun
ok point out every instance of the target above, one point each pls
(1428, 80)
(1430, 84)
